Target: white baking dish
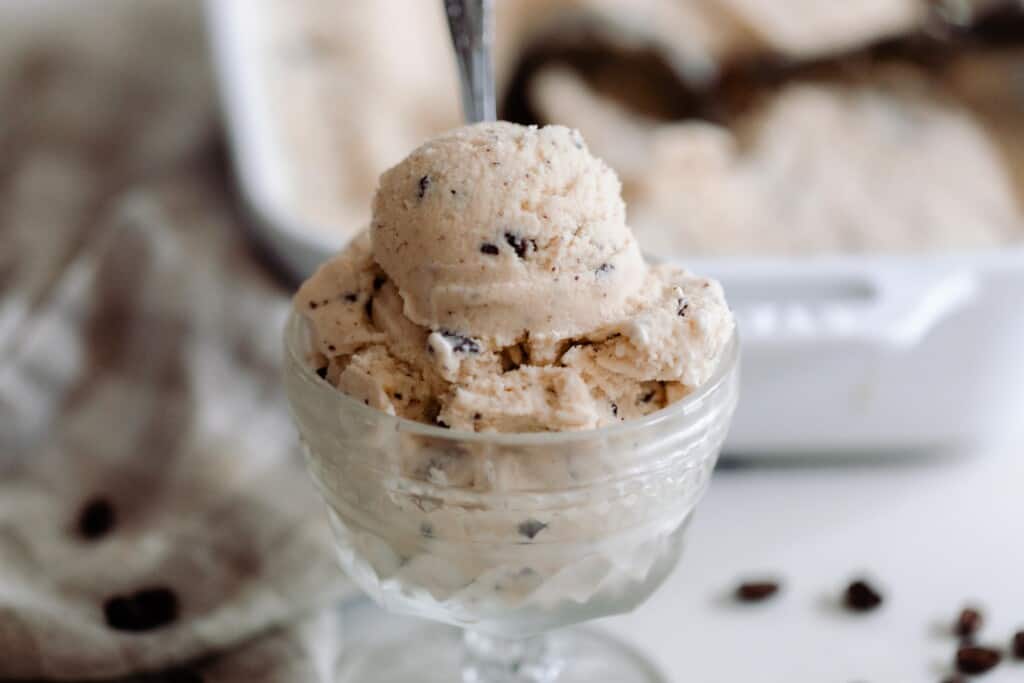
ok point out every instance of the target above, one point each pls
(842, 355)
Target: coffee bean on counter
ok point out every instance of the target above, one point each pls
(861, 597)
(1017, 646)
(756, 591)
(96, 519)
(973, 659)
(144, 610)
(968, 622)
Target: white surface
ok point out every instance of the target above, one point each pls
(934, 533)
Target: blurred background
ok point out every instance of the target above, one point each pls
(897, 120)
(852, 171)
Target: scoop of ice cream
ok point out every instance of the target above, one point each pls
(503, 291)
(497, 230)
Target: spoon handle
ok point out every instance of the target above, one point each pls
(472, 27)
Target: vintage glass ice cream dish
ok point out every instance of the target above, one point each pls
(508, 536)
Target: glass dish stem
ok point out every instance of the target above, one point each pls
(489, 659)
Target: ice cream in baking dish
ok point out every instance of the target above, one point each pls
(500, 289)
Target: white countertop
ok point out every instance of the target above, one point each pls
(931, 533)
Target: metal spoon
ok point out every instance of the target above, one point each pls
(472, 26)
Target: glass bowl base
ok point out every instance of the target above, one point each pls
(384, 648)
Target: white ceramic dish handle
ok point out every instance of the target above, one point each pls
(885, 306)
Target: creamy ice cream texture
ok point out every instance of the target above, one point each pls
(500, 289)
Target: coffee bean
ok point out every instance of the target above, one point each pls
(144, 610)
(1018, 645)
(756, 591)
(861, 597)
(968, 622)
(96, 519)
(974, 659)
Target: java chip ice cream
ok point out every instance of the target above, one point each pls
(499, 288)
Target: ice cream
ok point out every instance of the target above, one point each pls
(890, 163)
(500, 289)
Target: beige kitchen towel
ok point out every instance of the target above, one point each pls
(153, 506)
(155, 515)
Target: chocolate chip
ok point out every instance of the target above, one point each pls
(756, 591)
(976, 660)
(861, 597)
(424, 185)
(332, 348)
(513, 357)
(968, 622)
(96, 519)
(351, 297)
(604, 269)
(1017, 646)
(459, 343)
(368, 308)
(398, 395)
(312, 305)
(427, 530)
(144, 610)
(615, 409)
(489, 249)
(322, 372)
(453, 192)
(531, 527)
(477, 416)
(378, 282)
(681, 308)
(520, 244)
(432, 409)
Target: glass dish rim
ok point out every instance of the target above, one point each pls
(728, 365)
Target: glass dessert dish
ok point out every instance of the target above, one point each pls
(508, 536)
